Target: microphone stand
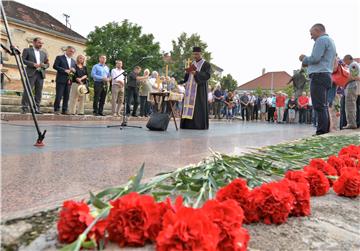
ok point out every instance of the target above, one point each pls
(14, 51)
(124, 118)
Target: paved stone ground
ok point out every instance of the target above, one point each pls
(83, 156)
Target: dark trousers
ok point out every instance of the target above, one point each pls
(250, 110)
(245, 109)
(286, 113)
(144, 106)
(343, 121)
(2, 80)
(302, 115)
(319, 85)
(217, 108)
(271, 112)
(36, 83)
(132, 94)
(100, 91)
(62, 92)
(256, 112)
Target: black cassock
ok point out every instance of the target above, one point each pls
(201, 112)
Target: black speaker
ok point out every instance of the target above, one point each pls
(158, 121)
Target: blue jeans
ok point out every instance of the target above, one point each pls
(319, 86)
(331, 94)
(229, 113)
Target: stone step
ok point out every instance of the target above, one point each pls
(8, 101)
(47, 109)
(53, 117)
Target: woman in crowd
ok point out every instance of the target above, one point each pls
(80, 78)
(229, 103)
(263, 108)
(291, 106)
(145, 89)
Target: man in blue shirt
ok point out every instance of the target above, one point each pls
(101, 75)
(320, 66)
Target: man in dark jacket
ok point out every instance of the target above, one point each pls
(65, 67)
(36, 62)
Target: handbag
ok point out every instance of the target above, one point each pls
(87, 84)
(158, 122)
(340, 76)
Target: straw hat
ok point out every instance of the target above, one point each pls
(82, 90)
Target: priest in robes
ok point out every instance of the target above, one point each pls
(195, 114)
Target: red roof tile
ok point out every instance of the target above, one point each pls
(280, 79)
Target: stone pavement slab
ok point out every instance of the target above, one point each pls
(83, 156)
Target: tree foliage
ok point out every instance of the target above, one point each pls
(124, 41)
(182, 51)
(228, 82)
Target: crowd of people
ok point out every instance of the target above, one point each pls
(326, 100)
(275, 107)
(73, 78)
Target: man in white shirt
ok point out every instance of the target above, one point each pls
(117, 88)
(252, 100)
(65, 67)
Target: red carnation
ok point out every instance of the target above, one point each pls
(301, 193)
(297, 176)
(187, 229)
(274, 202)
(348, 184)
(236, 190)
(348, 160)
(228, 216)
(174, 206)
(319, 184)
(98, 231)
(324, 167)
(251, 209)
(336, 162)
(134, 219)
(73, 220)
(163, 208)
(351, 151)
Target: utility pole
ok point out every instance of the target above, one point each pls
(67, 20)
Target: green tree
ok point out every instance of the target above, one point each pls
(289, 90)
(259, 91)
(182, 51)
(123, 41)
(227, 82)
(215, 79)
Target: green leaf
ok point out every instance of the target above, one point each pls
(109, 191)
(89, 244)
(136, 182)
(97, 202)
(70, 247)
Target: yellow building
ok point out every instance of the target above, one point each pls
(25, 23)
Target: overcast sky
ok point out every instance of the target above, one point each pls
(243, 36)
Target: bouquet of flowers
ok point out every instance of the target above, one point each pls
(70, 77)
